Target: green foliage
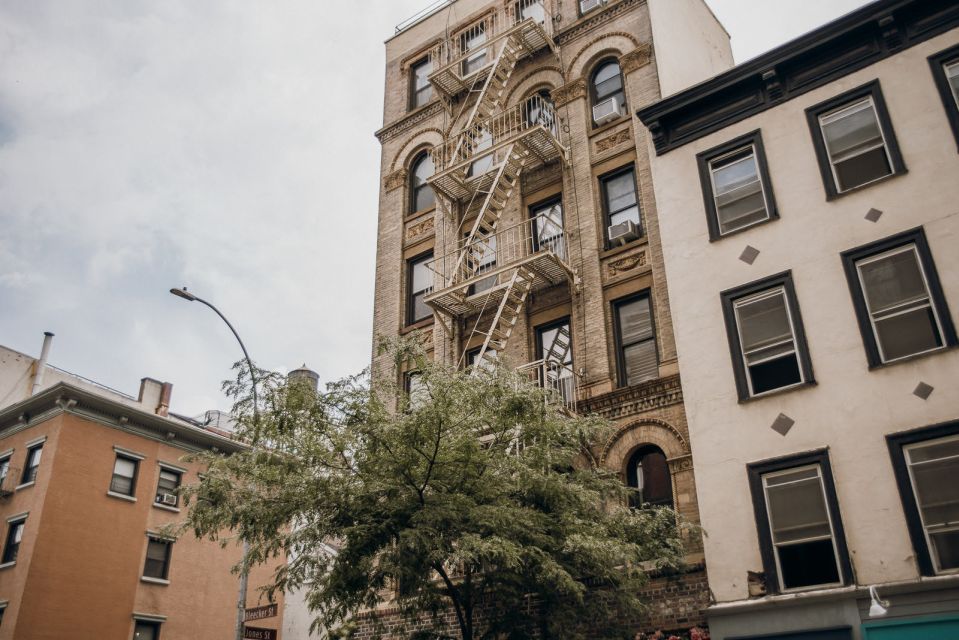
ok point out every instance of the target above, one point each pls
(478, 496)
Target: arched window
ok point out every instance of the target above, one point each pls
(648, 473)
(606, 89)
(421, 194)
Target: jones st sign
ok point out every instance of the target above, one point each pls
(253, 633)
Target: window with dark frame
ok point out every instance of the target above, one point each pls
(548, 225)
(854, 140)
(801, 536)
(124, 475)
(945, 73)
(898, 299)
(421, 90)
(157, 563)
(736, 188)
(483, 256)
(647, 473)
(4, 471)
(167, 486)
(554, 349)
(146, 630)
(766, 338)
(471, 41)
(473, 354)
(621, 200)
(415, 388)
(637, 359)
(11, 547)
(526, 9)
(422, 196)
(926, 465)
(607, 83)
(419, 285)
(32, 466)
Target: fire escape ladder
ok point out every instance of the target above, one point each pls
(562, 343)
(508, 312)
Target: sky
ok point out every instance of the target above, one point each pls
(223, 145)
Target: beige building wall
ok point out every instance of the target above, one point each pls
(851, 409)
(678, 65)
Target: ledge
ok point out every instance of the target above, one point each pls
(166, 507)
(25, 485)
(121, 496)
(7, 565)
(646, 396)
(159, 581)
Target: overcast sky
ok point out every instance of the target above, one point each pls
(226, 145)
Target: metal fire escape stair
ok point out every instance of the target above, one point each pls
(504, 320)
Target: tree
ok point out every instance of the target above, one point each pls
(477, 494)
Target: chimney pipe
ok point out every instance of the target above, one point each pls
(166, 391)
(41, 364)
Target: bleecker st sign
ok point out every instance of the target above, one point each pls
(259, 613)
(259, 634)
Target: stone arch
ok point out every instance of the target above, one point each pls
(423, 139)
(611, 44)
(544, 77)
(633, 435)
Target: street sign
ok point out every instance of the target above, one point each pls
(254, 633)
(259, 613)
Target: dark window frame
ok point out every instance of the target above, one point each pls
(594, 95)
(543, 204)
(10, 547)
(30, 473)
(604, 201)
(632, 476)
(167, 560)
(413, 190)
(413, 94)
(896, 444)
(133, 480)
(147, 623)
(621, 381)
(869, 90)
(5, 460)
(411, 320)
(937, 63)
(728, 299)
(850, 257)
(704, 160)
(179, 482)
(756, 471)
(539, 329)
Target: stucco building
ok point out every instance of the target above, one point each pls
(809, 217)
(518, 224)
(88, 480)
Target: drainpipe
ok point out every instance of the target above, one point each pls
(42, 362)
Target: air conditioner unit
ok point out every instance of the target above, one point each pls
(607, 111)
(623, 232)
(589, 5)
(168, 499)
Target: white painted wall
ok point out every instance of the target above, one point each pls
(701, 52)
(851, 409)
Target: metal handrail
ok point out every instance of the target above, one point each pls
(557, 378)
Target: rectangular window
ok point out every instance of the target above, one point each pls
(526, 9)
(898, 299)
(167, 487)
(585, 6)
(945, 73)
(473, 354)
(32, 466)
(548, 227)
(124, 475)
(736, 187)
(421, 91)
(637, 359)
(766, 338)
(471, 41)
(157, 564)
(926, 463)
(621, 205)
(482, 258)
(146, 630)
(797, 517)
(415, 388)
(14, 536)
(554, 349)
(854, 140)
(4, 472)
(419, 285)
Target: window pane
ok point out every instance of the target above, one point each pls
(797, 508)
(641, 362)
(738, 192)
(620, 192)
(945, 547)
(862, 168)
(125, 468)
(422, 276)
(775, 374)
(764, 322)
(422, 89)
(908, 333)
(555, 344)
(635, 320)
(808, 564)
(532, 9)
(851, 130)
(423, 196)
(608, 82)
(156, 559)
(952, 75)
(893, 280)
(144, 632)
(934, 467)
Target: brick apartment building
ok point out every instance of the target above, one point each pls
(88, 477)
(517, 221)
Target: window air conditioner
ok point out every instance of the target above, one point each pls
(589, 5)
(623, 232)
(169, 499)
(607, 111)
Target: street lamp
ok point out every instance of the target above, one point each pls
(245, 569)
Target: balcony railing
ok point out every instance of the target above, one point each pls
(558, 379)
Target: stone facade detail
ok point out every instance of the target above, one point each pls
(629, 262)
(620, 137)
(421, 228)
(637, 58)
(569, 92)
(395, 180)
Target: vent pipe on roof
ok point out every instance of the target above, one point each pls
(41, 364)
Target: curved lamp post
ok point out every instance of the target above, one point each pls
(245, 571)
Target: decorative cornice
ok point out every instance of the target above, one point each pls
(853, 42)
(569, 92)
(620, 137)
(395, 180)
(622, 403)
(584, 25)
(626, 263)
(409, 121)
(637, 58)
(420, 228)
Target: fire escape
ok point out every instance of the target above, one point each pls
(494, 268)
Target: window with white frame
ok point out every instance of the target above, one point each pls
(945, 73)
(767, 338)
(32, 467)
(952, 77)
(933, 471)
(526, 9)
(801, 528)
(124, 477)
(167, 486)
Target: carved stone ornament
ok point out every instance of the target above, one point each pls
(421, 228)
(682, 463)
(614, 140)
(637, 58)
(626, 263)
(395, 180)
(569, 92)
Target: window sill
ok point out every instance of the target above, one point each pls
(834, 194)
(632, 244)
(413, 215)
(596, 129)
(776, 392)
(166, 507)
(428, 322)
(25, 485)
(736, 232)
(121, 496)
(912, 358)
(159, 581)
(7, 565)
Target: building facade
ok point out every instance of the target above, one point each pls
(809, 221)
(88, 481)
(518, 224)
